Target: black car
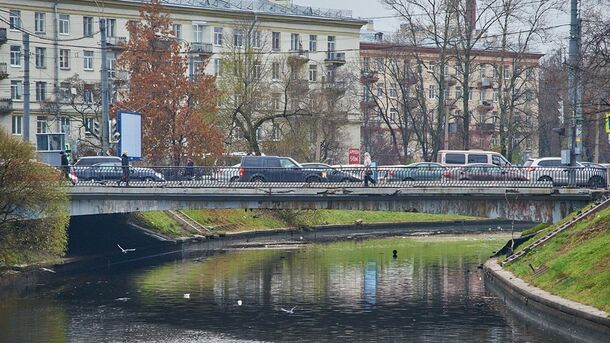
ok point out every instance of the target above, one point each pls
(333, 174)
(276, 169)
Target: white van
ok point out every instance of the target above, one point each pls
(462, 157)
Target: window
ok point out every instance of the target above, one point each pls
(431, 91)
(331, 47)
(379, 89)
(41, 57)
(15, 56)
(392, 91)
(506, 72)
(455, 159)
(64, 24)
(482, 94)
(432, 68)
(87, 96)
(88, 59)
(217, 67)
(393, 114)
(482, 71)
(39, 22)
(218, 36)
(458, 92)
(275, 70)
(380, 64)
(110, 27)
(15, 89)
(177, 29)
(276, 101)
(495, 96)
(238, 40)
(313, 43)
(14, 19)
(64, 58)
(313, 73)
(275, 133)
(477, 158)
(41, 91)
(64, 91)
(529, 73)
(452, 128)
(256, 39)
(198, 33)
(256, 71)
(88, 26)
(365, 63)
(90, 125)
(64, 124)
(42, 126)
(286, 163)
(17, 124)
(275, 40)
(294, 42)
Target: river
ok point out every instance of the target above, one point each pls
(355, 290)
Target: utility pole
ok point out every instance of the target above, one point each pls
(598, 118)
(575, 132)
(105, 103)
(26, 87)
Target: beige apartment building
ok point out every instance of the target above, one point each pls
(65, 41)
(399, 79)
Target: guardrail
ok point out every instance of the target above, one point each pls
(382, 176)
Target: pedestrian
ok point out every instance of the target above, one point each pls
(125, 167)
(65, 165)
(368, 171)
(188, 171)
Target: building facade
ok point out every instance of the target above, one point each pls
(65, 45)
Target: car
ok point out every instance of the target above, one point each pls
(277, 169)
(464, 157)
(113, 171)
(551, 169)
(83, 163)
(419, 171)
(226, 174)
(334, 174)
(484, 172)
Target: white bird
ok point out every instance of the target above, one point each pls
(239, 302)
(187, 295)
(291, 311)
(47, 270)
(122, 299)
(125, 251)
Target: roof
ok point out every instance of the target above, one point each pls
(262, 7)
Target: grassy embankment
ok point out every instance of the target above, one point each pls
(235, 220)
(574, 264)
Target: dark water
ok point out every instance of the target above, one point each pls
(347, 291)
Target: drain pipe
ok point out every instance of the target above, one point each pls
(56, 51)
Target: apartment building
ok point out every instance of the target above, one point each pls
(401, 85)
(65, 41)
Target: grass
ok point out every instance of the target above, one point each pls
(574, 264)
(236, 220)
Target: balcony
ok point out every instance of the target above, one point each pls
(203, 49)
(3, 38)
(369, 76)
(3, 71)
(485, 106)
(298, 86)
(6, 105)
(412, 103)
(450, 81)
(367, 104)
(486, 127)
(407, 80)
(298, 57)
(337, 88)
(335, 58)
(485, 83)
(116, 43)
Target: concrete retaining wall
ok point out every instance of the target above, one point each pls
(555, 315)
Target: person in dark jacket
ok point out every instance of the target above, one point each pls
(65, 165)
(125, 167)
(188, 171)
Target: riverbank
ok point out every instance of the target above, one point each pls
(190, 223)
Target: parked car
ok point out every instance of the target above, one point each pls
(226, 174)
(419, 171)
(276, 169)
(551, 169)
(464, 157)
(334, 174)
(83, 163)
(484, 172)
(113, 171)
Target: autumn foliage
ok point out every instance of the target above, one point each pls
(177, 112)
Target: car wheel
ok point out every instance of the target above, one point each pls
(597, 182)
(464, 179)
(149, 179)
(408, 179)
(312, 178)
(93, 179)
(234, 179)
(257, 179)
(545, 178)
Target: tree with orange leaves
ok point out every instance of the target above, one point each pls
(177, 110)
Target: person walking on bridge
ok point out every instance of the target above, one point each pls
(368, 171)
(125, 167)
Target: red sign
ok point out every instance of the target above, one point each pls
(354, 156)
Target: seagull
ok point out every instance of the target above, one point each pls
(291, 311)
(125, 251)
(239, 302)
(122, 299)
(187, 295)
(47, 270)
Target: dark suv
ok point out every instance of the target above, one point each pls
(276, 169)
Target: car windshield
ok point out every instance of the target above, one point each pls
(528, 163)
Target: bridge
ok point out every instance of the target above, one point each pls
(527, 201)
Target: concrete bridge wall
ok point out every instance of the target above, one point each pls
(524, 204)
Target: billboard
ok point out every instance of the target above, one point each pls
(129, 125)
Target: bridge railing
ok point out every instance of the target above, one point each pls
(382, 176)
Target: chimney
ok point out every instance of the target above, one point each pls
(370, 25)
(471, 13)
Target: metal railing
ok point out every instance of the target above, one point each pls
(381, 176)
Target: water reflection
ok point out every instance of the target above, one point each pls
(431, 292)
